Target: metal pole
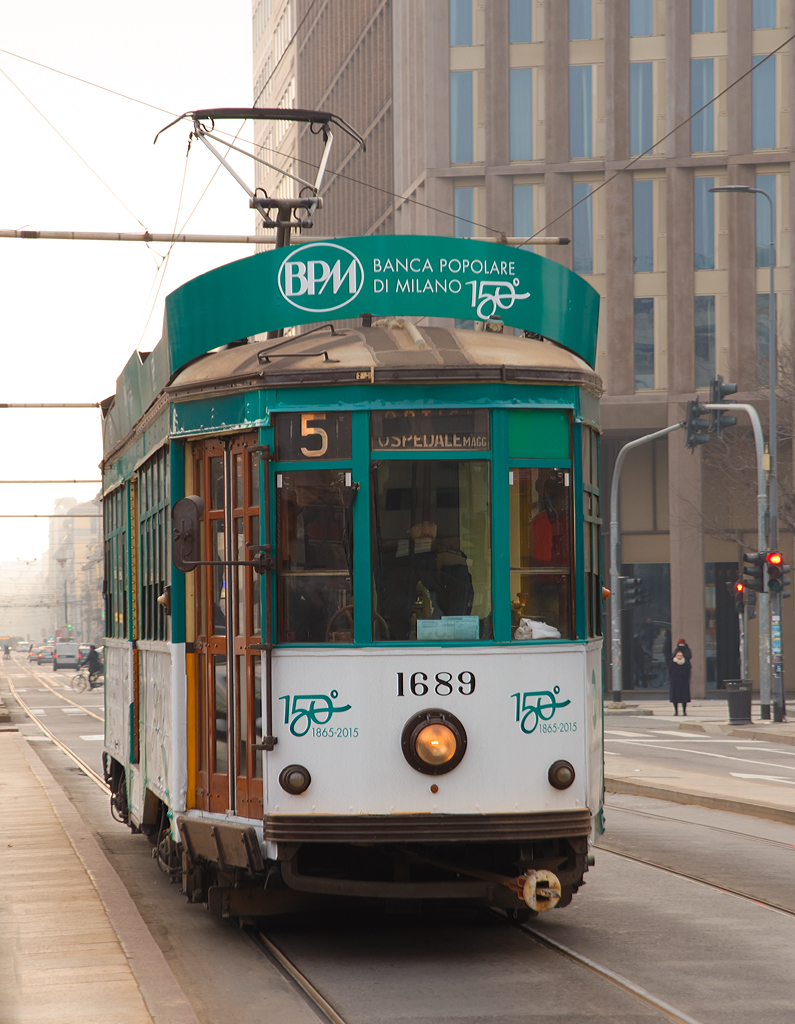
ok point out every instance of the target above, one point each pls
(743, 644)
(777, 663)
(761, 529)
(615, 589)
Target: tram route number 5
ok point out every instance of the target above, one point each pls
(442, 684)
(307, 431)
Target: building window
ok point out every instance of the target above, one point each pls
(592, 524)
(763, 334)
(702, 90)
(464, 208)
(460, 22)
(521, 114)
(767, 183)
(644, 343)
(580, 110)
(641, 113)
(703, 224)
(461, 134)
(521, 30)
(640, 18)
(764, 103)
(764, 13)
(702, 15)
(582, 228)
(705, 339)
(643, 226)
(579, 19)
(523, 211)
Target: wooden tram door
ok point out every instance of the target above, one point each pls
(228, 620)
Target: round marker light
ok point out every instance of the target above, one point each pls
(561, 774)
(294, 779)
(435, 744)
(433, 741)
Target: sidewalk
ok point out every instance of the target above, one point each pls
(757, 798)
(73, 947)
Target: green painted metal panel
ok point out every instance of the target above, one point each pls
(419, 275)
(500, 546)
(175, 577)
(539, 433)
(362, 572)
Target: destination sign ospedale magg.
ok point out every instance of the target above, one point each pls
(385, 275)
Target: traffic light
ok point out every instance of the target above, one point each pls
(696, 426)
(632, 592)
(750, 604)
(754, 578)
(777, 580)
(739, 597)
(718, 392)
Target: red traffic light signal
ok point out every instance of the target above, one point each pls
(739, 596)
(775, 558)
(739, 586)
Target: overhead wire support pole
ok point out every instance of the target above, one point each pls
(761, 529)
(615, 578)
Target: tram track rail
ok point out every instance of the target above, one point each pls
(52, 689)
(286, 967)
(698, 824)
(81, 764)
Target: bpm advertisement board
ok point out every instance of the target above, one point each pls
(381, 275)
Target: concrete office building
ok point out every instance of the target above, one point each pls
(506, 113)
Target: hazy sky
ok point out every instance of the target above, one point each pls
(71, 313)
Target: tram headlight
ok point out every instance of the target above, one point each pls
(433, 741)
(561, 774)
(295, 779)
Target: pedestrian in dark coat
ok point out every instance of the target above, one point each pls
(679, 677)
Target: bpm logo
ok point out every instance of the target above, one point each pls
(320, 277)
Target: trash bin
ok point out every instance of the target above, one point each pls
(738, 694)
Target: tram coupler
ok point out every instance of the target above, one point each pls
(540, 890)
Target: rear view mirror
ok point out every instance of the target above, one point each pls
(186, 532)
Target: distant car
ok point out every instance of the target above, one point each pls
(22, 647)
(66, 655)
(32, 653)
(44, 655)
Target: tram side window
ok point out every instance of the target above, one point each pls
(431, 528)
(115, 526)
(153, 534)
(540, 546)
(315, 556)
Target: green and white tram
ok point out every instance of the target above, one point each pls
(353, 591)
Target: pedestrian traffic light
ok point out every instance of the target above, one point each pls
(718, 392)
(739, 597)
(754, 578)
(777, 580)
(631, 592)
(696, 426)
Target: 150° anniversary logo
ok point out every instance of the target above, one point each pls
(324, 277)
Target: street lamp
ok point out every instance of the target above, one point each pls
(775, 599)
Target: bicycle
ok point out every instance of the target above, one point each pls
(82, 680)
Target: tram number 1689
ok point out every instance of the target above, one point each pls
(443, 684)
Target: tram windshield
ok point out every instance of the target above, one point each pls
(431, 550)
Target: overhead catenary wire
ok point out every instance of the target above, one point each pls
(69, 144)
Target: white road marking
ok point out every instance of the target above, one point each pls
(93, 737)
(765, 778)
(611, 753)
(38, 712)
(74, 711)
(625, 732)
(706, 753)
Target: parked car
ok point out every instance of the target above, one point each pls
(66, 655)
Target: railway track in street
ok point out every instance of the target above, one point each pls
(329, 1001)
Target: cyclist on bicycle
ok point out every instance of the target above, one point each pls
(94, 666)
